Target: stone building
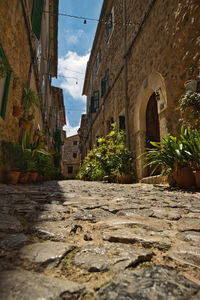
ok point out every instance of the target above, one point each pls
(28, 47)
(142, 54)
(71, 161)
(56, 122)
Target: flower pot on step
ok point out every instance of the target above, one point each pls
(23, 178)
(33, 177)
(184, 177)
(197, 178)
(13, 177)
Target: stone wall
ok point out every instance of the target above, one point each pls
(162, 52)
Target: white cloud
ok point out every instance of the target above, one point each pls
(69, 129)
(72, 66)
(73, 36)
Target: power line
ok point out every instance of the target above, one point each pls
(88, 19)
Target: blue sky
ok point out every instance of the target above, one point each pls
(74, 45)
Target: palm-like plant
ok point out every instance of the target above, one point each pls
(169, 154)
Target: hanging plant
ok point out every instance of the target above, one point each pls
(30, 99)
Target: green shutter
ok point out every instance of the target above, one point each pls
(36, 17)
(7, 82)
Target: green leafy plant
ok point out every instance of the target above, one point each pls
(171, 153)
(30, 99)
(189, 106)
(13, 156)
(110, 159)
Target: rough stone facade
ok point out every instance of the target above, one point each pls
(149, 60)
(29, 58)
(71, 161)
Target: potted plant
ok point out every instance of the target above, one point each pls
(24, 123)
(191, 138)
(30, 100)
(13, 159)
(173, 156)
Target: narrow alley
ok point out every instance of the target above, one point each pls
(91, 240)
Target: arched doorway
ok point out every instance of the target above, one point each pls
(152, 121)
(152, 124)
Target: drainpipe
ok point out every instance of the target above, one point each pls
(126, 102)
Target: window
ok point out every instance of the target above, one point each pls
(105, 83)
(95, 101)
(36, 17)
(70, 170)
(75, 143)
(122, 124)
(97, 143)
(98, 60)
(74, 154)
(4, 82)
(109, 25)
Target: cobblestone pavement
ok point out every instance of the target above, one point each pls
(91, 240)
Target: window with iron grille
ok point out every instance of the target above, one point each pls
(109, 25)
(95, 101)
(74, 154)
(105, 83)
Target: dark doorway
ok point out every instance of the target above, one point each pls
(152, 124)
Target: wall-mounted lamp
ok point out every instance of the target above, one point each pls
(157, 93)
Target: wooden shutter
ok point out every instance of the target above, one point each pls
(6, 85)
(36, 17)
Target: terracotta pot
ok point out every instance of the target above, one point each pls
(42, 138)
(124, 179)
(17, 111)
(30, 117)
(23, 177)
(35, 138)
(197, 178)
(33, 177)
(13, 177)
(28, 126)
(184, 177)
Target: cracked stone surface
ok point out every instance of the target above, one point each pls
(45, 253)
(30, 286)
(159, 282)
(108, 256)
(93, 240)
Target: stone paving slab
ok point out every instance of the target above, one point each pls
(13, 241)
(141, 221)
(57, 231)
(9, 223)
(185, 254)
(110, 257)
(146, 238)
(159, 282)
(25, 285)
(46, 253)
